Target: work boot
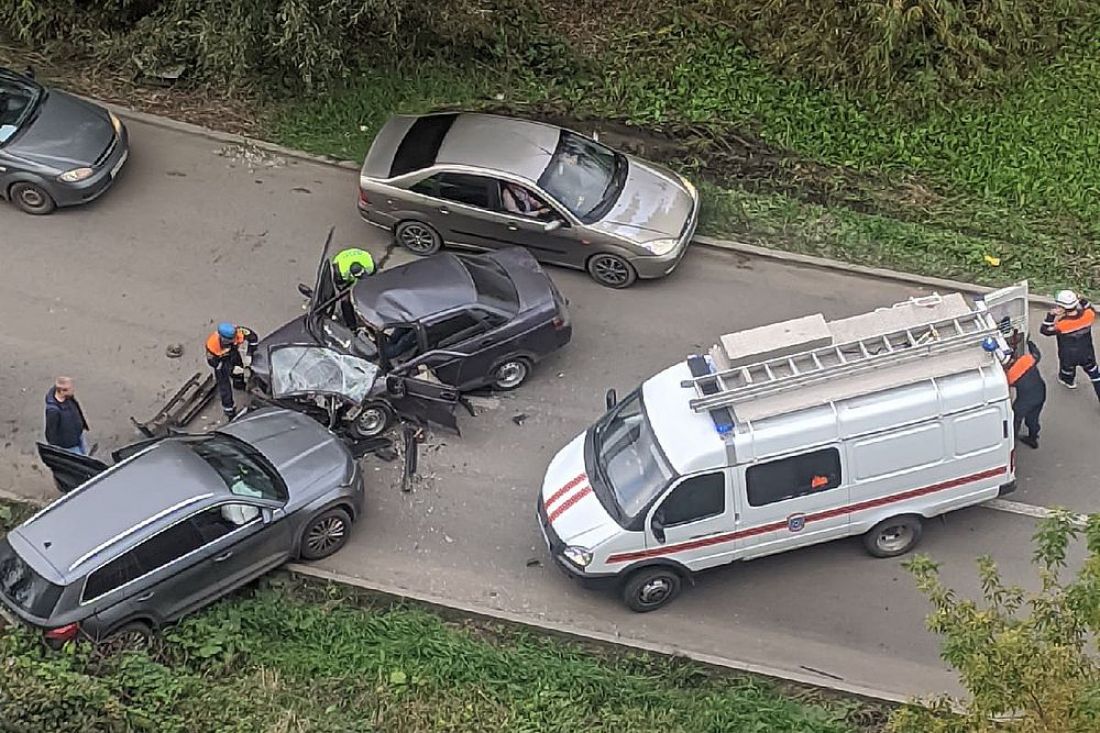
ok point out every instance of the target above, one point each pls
(1030, 441)
(230, 412)
(1067, 385)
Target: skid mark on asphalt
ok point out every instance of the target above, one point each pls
(1029, 510)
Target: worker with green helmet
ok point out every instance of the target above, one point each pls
(351, 264)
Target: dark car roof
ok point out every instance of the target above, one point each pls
(130, 494)
(414, 291)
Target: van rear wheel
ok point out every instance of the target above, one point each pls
(650, 588)
(894, 536)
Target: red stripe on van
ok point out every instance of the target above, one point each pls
(568, 503)
(828, 514)
(565, 489)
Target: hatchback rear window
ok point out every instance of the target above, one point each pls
(421, 144)
(23, 586)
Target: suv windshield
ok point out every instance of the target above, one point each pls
(18, 100)
(584, 176)
(240, 466)
(494, 287)
(628, 457)
(22, 585)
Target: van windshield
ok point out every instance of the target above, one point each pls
(22, 585)
(628, 457)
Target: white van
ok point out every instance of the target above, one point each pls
(788, 435)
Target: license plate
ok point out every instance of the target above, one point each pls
(118, 165)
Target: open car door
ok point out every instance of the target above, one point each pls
(1009, 308)
(69, 469)
(323, 297)
(422, 401)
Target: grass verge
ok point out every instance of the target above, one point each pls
(301, 655)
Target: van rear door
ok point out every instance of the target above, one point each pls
(1008, 306)
(792, 501)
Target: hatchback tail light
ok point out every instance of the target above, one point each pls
(363, 200)
(558, 323)
(63, 633)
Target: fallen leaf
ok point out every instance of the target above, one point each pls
(992, 261)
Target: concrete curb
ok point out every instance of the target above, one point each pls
(596, 637)
(751, 250)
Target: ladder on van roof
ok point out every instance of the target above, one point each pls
(716, 390)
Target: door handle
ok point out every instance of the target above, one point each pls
(223, 557)
(144, 596)
(513, 228)
(486, 342)
(444, 210)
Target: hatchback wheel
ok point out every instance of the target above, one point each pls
(511, 373)
(134, 636)
(373, 420)
(419, 238)
(325, 534)
(31, 198)
(894, 536)
(650, 588)
(612, 271)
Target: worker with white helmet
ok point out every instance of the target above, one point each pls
(1070, 321)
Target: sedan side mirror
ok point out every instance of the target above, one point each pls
(610, 399)
(29, 72)
(658, 528)
(305, 290)
(552, 225)
(267, 515)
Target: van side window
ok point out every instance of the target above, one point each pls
(171, 544)
(693, 499)
(114, 574)
(787, 478)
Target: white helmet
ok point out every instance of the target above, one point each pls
(1066, 299)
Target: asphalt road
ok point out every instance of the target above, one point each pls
(196, 232)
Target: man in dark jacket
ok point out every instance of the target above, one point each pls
(65, 423)
(1022, 371)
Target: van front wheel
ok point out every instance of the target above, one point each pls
(650, 588)
(894, 536)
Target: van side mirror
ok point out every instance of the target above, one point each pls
(658, 527)
(552, 225)
(610, 398)
(305, 290)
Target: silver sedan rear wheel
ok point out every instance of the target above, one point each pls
(611, 271)
(419, 238)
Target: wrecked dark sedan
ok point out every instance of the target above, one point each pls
(422, 332)
(55, 148)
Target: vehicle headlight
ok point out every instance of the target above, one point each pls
(660, 246)
(115, 122)
(579, 556)
(692, 191)
(76, 174)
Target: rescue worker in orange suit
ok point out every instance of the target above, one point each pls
(1071, 323)
(223, 353)
(1023, 375)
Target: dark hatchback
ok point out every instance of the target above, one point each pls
(55, 148)
(474, 321)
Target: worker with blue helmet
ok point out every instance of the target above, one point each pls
(223, 354)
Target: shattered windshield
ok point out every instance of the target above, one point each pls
(303, 369)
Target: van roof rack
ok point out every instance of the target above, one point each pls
(727, 387)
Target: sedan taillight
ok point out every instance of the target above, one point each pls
(363, 200)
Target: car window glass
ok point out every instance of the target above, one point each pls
(17, 101)
(23, 585)
(464, 188)
(693, 499)
(214, 523)
(168, 545)
(522, 201)
(421, 143)
(452, 330)
(792, 477)
(240, 466)
(429, 186)
(114, 574)
(491, 320)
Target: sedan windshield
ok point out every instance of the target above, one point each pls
(584, 176)
(629, 457)
(18, 100)
(244, 470)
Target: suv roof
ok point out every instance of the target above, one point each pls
(130, 495)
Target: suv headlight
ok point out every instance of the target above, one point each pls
(75, 175)
(115, 122)
(660, 246)
(579, 556)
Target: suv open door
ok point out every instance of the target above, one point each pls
(69, 469)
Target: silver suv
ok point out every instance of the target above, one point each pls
(485, 182)
(176, 524)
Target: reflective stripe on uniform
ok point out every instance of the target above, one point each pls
(214, 343)
(1066, 325)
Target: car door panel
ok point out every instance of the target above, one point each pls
(461, 206)
(69, 469)
(702, 536)
(419, 400)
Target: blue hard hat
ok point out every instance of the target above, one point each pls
(227, 330)
(990, 344)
